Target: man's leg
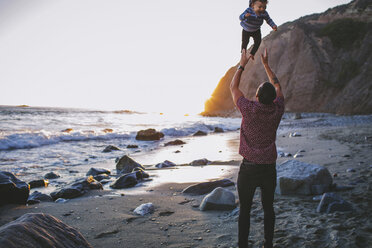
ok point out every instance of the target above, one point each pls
(267, 198)
(245, 40)
(246, 191)
(257, 41)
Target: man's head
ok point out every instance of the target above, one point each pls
(266, 93)
(259, 6)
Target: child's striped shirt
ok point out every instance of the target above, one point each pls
(254, 22)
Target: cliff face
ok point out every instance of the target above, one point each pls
(323, 62)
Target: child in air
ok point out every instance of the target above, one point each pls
(251, 21)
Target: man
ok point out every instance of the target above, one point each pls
(257, 146)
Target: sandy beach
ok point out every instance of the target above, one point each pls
(106, 219)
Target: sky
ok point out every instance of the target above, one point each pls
(154, 56)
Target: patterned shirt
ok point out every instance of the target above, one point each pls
(254, 22)
(258, 129)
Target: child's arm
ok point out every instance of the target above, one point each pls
(244, 15)
(270, 21)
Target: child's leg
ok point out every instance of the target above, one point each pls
(257, 41)
(245, 40)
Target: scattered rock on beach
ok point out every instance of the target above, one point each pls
(126, 165)
(297, 116)
(165, 164)
(149, 134)
(332, 202)
(295, 134)
(101, 177)
(144, 209)
(140, 174)
(218, 130)
(218, 199)
(12, 190)
(295, 177)
(175, 143)
(40, 230)
(67, 130)
(111, 148)
(350, 170)
(96, 171)
(107, 130)
(125, 181)
(132, 146)
(298, 155)
(200, 162)
(206, 187)
(51, 175)
(200, 133)
(38, 183)
(37, 197)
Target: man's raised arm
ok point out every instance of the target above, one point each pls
(234, 86)
(272, 77)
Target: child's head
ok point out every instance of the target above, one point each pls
(259, 6)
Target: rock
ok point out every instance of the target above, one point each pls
(107, 130)
(295, 134)
(34, 230)
(302, 150)
(101, 177)
(317, 197)
(281, 154)
(126, 165)
(175, 143)
(218, 199)
(144, 209)
(132, 146)
(350, 170)
(297, 155)
(200, 133)
(12, 190)
(38, 183)
(218, 130)
(206, 187)
(297, 116)
(140, 174)
(177, 151)
(77, 189)
(287, 154)
(165, 164)
(37, 197)
(67, 130)
(125, 181)
(149, 134)
(96, 171)
(200, 162)
(111, 148)
(60, 200)
(295, 177)
(51, 175)
(332, 202)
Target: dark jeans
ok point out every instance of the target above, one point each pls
(250, 177)
(256, 38)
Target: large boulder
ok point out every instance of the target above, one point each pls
(35, 230)
(12, 190)
(218, 199)
(126, 165)
(149, 134)
(206, 187)
(77, 189)
(295, 177)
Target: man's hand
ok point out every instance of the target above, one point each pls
(275, 28)
(265, 58)
(244, 58)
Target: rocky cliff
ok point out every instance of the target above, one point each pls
(323, 62)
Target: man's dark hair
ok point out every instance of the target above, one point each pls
(266, 93)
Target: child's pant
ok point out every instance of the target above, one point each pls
(256, 38)
(250, 177)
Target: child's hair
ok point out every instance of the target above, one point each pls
(251, 2)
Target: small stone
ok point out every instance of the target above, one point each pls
(144, 209)
(350, 170)
(51, 175)
(60, 200)
(111, 148)
(200, 133)
(297, 155)
(295, 134)
(132, 146)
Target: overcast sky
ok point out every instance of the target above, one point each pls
(163, 56)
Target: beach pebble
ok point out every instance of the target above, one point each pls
(126, 165)
(206, 187)
(40, 230)
(200, 133)
(297, 155)
(200, 162)
(38, 183)
(67, 130)
(295, 177)
(177, 151)
(125, 181)
(144, 209)
(218, 199)
(302, 150)
(60, 200)
(111, 148)
(132, 146)
(37, 197)
(295, 134)
(350, 170)
(175, 143)
(96, 171)
(287, 154)
(165, 164)
(149, 134)
(12, 190)
(51, 175)
(218, 130)
(79, 188)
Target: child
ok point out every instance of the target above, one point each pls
(251, 21)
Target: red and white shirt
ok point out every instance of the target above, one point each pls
(258, 129)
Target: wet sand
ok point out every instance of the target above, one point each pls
(106, 218)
